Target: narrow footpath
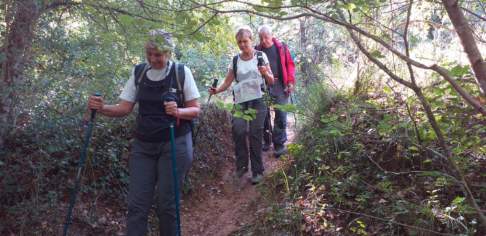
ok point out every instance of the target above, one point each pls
(224, 205)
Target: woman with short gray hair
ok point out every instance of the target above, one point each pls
(163, 96)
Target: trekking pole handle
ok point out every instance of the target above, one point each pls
(215, 83)
(260, 61)
(93, 111)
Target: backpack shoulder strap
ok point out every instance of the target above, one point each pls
(259, 54)
(180, 78)
(139, 71)
(235, 66)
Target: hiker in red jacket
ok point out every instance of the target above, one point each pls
(283, 69)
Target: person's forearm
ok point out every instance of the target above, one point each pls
(188, 113)
(223, 87)
(113, 111)
(269, 79)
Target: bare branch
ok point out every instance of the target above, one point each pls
(123, 12)
(405, 40)
(204, 23)
(474, 14)
(377, 62)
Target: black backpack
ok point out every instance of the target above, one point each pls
(140, 70)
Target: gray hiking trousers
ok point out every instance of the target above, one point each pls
(252, 131)
(150, 168)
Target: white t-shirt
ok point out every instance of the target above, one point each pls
(190, 89)
(248, 69)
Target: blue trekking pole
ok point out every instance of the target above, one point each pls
(174, 173)
(172, 98)
(82, 159)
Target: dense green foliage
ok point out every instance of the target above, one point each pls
(367, 173)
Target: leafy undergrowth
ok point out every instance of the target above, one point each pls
(213, 144)
(367, 173)
(38, 171)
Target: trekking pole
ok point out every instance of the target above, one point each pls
(268, 119)
(295, 116)
(174, 173)
(172, 98)
(82, 160)
(269, 125)
(215, 83)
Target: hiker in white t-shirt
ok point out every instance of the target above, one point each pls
(165, 92)
(252, 73)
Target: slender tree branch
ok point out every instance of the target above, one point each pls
(204, 23)
(378, 62)
(124, 12)
(409, 66)
(474, 14)
(472, 101)
(58, 3)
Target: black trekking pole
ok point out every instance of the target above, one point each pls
(172, 98)
(82, 159)
(261, 62)
(214, 85)
(295, 116)
(269, 126)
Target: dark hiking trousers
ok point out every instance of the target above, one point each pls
(279, 132)
(252, 131)
(150, 168)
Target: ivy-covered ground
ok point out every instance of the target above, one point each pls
(364, 165)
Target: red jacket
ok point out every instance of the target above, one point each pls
(286, 62)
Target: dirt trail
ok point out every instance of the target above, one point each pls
(223, 206)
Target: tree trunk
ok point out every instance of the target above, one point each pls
(19, 35)
(467, 40)
(306, 67)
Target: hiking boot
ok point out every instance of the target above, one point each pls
(265, 147)
(240, 173)
(280, 150)
(237, 179)
(256, 179)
